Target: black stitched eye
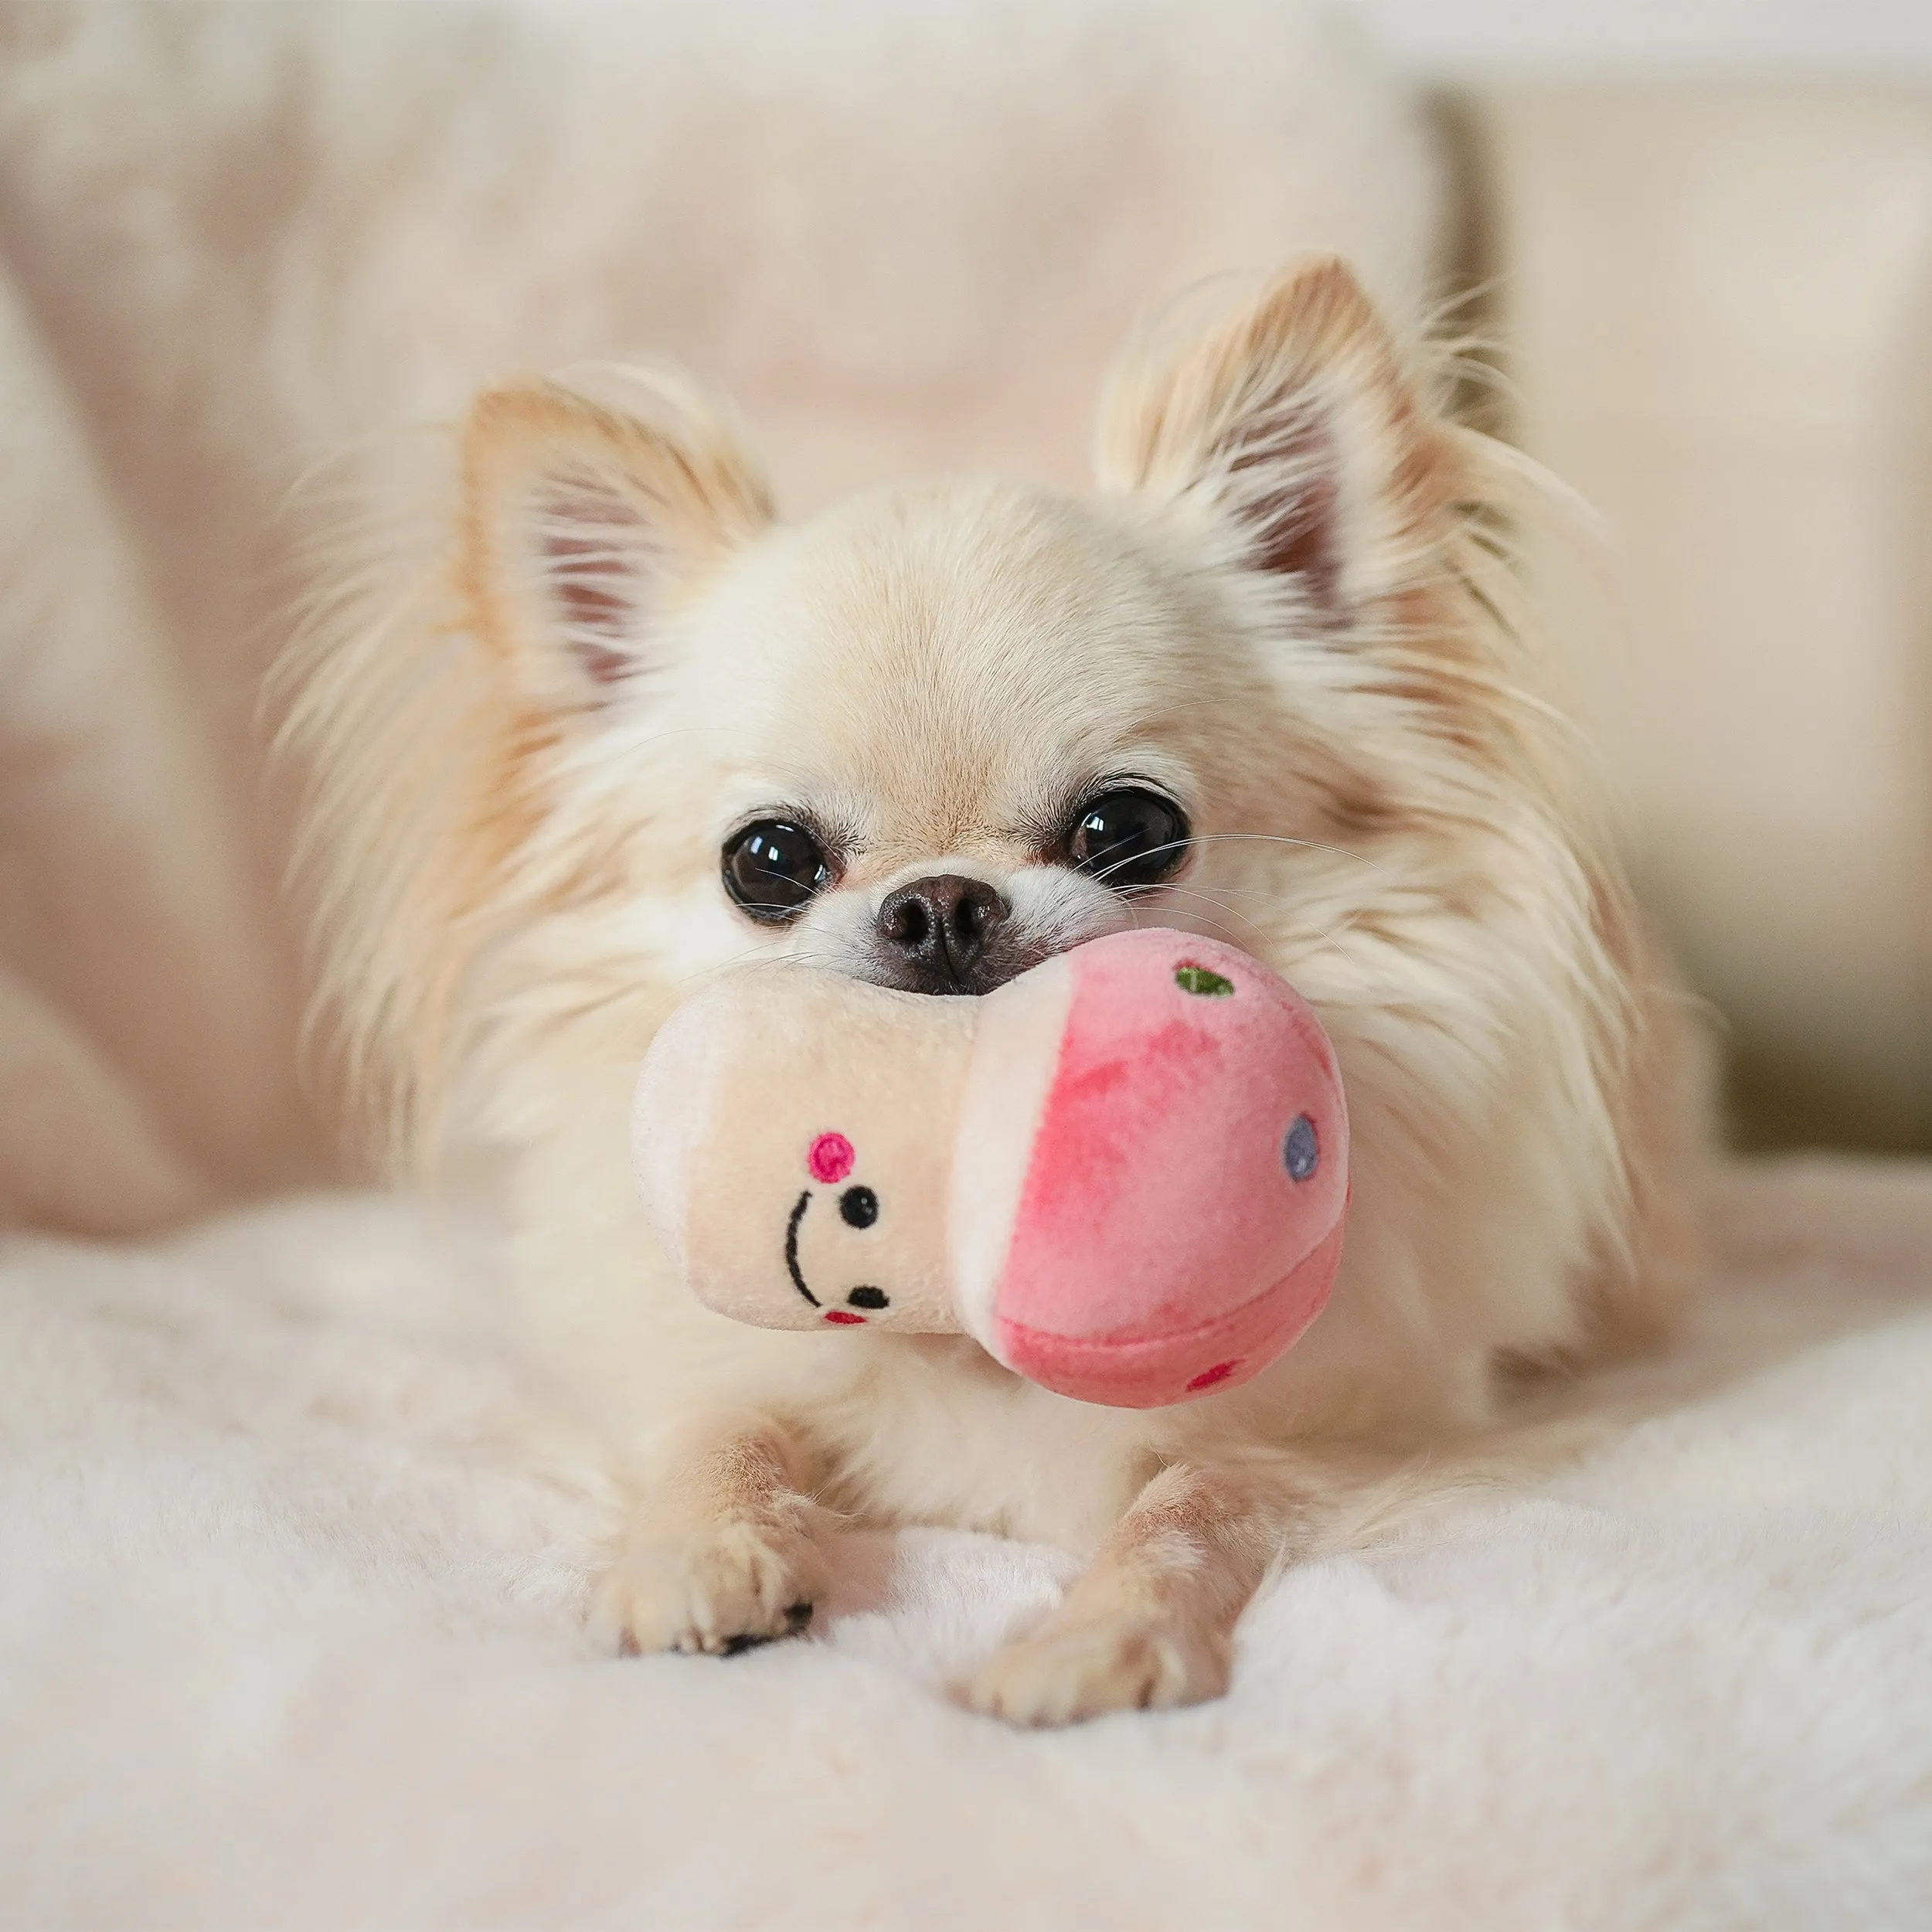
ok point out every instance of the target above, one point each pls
(1128, 837)
(859, 1206)
(773, 868)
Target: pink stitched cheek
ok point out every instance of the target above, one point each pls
(831, 1158)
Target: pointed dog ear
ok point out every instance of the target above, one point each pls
(582, 525)
(1291, 428)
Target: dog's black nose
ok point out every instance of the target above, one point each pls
(938, 931)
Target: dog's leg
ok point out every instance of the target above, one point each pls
(723, 1549)
(1151, 1623)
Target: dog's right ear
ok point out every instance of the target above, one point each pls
(583, 526)
(1291, 429)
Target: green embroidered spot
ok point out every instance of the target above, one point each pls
(1198, 979)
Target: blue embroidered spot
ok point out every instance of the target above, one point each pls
(1302, 1152)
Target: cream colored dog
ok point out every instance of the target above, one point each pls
(617, 728)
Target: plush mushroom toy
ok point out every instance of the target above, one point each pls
(1125, 1173)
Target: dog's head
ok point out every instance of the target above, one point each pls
(938, 732)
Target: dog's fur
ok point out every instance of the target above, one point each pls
(1289, 604)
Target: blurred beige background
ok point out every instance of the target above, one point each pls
(1481, 39)
(1707, 229)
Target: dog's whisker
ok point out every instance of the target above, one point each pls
(1218, 926)
(1329, 935)
(1306, 845)
(1182, 892)
(748, 961)
(1219, 838)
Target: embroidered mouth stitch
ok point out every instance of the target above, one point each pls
(792, 1248)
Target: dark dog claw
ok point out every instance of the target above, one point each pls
(797, 1616)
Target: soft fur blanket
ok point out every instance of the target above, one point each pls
(292, 1563)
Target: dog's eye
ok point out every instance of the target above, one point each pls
(1128, 837)
(773, 868)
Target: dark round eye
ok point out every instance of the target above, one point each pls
(773, 869)
(1128, 837)
(859, 1206)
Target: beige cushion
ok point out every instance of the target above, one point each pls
(1718, 299)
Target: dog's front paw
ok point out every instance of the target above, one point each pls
(720, 1589)
(1077, 1667)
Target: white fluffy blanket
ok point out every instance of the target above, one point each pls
(287, 1637)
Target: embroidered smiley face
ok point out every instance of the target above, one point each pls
(829, 1161)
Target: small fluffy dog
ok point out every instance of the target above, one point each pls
(622, 729)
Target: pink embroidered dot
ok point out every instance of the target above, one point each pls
(831, 1158)
(1219, 1372)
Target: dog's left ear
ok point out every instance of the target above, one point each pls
(583, 526)
(1290, 436)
